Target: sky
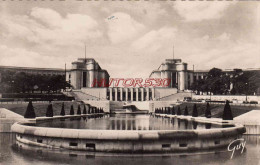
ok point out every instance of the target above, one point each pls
(130, 38)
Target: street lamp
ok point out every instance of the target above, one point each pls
(246, 91)
(12, 86)
(210, 94)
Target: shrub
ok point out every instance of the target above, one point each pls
(227, 114)
(84, 110)
(29, 111)
(195, 111)
(62, 112)
(179, 111)
(49, 112)
(71, 110)
(186, 113)
(79, 110)
(88, 108)
(173, 110)
(208, 112)
(91, 109)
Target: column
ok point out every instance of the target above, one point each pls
(147, 94)
(126, 94)
(142, 94)
(137, 94)
(176, 77)
(153, 94)
(91, 78)
(191, 78)
(84, 79)
(115, 94)
(132, 94)
(182, 80)
(110, 94)
(121, 94)
(121, 124)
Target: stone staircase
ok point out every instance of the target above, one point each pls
(175, 96)
(80, 96)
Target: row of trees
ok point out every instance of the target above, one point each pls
(30, 113)
(237, 82)
(21, 82)
(227, 113)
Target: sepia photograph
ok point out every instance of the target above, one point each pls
(129, 82)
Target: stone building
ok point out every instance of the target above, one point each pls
(181, 78)
(31, 70)
(85, 73)
(176, 71)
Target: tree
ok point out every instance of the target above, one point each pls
(173, 110)
(186, 113)
(195, 111)
(92, 110)
(49, 112)
(207, 112)
(169, 111)
(88, 108)
(84, 110)
(217, 81)
(246, 83)
(71, 110)
(18, 82)
(179, 111)
(227, 113)
(62, 112)
(79, 111)
(29, 113)
(199, 85)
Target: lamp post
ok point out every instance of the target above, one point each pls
(12, 86)
(247, 90)
(191, 94)
(210, 94)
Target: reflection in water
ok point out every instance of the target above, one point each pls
(12, 154)
(186, 124)
(195, 124)
(129, 122)
(208, 125)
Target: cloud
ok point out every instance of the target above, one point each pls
(149, 11)
(156, 39)
(239, 55)
(198, 11)
(122, 27)
(46, 26)
(224, 37)
(22, 57)
(203, 34)
(48, 16)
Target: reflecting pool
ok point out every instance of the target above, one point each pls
(10, 154)
(13, 152)
(128, 122)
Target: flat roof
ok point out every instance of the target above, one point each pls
(32, 68)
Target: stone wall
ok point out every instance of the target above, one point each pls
(7, 119)
(99, 104)
(97, 92)
(128, 141)
(227, 97)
